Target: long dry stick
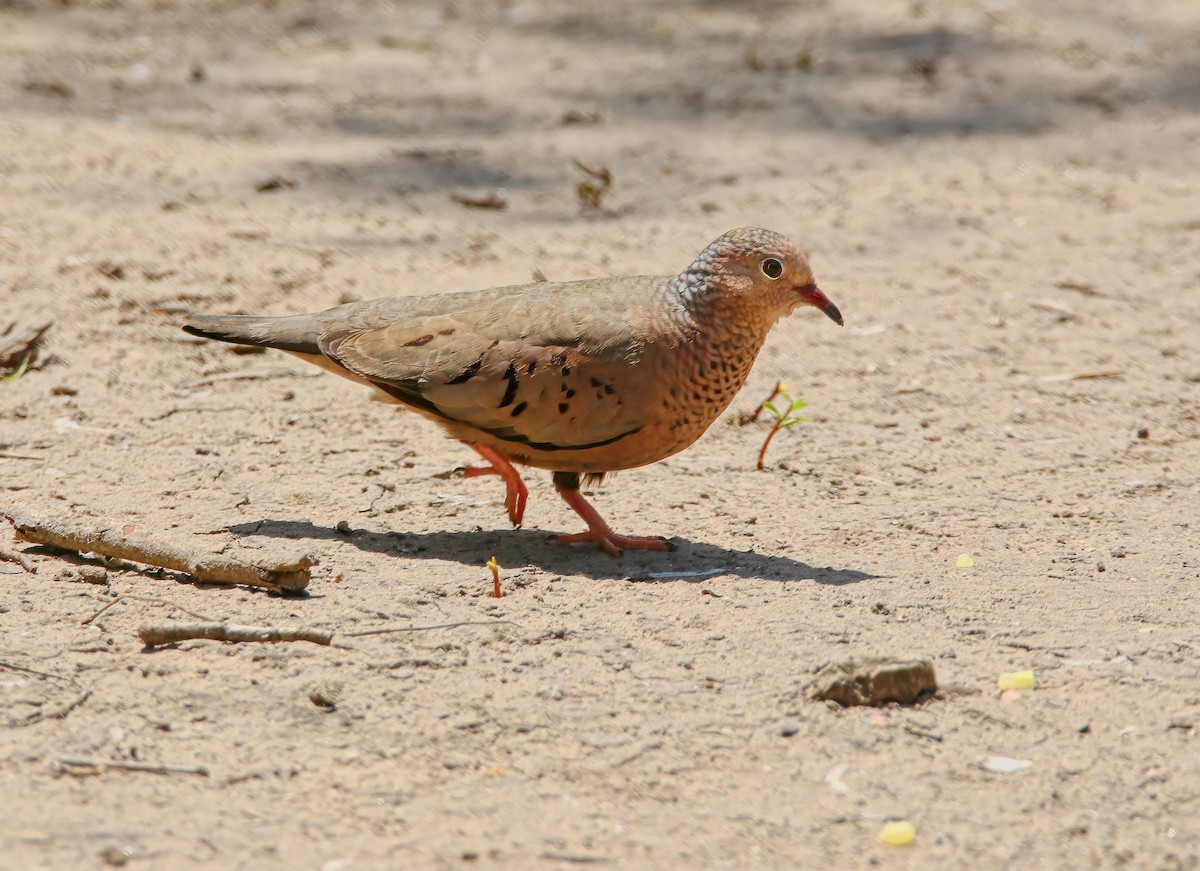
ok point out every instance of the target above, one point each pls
(247, 375)
(144, 767)
(21, 560)
(207, 567)
(156, 636)
(388, 630)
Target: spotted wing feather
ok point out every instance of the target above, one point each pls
(542, 386)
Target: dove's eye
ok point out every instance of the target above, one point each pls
(771, 268)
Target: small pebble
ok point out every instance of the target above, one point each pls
(93, 575)
(1005, 765)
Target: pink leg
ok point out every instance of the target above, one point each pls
(567, 485)
(514, 499)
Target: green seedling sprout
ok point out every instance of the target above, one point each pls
(785, 415)
(19, 371)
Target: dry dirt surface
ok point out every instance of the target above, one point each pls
(1002, 197)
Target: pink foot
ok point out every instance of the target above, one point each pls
(567, 484)
(614, 543)
(516, 491)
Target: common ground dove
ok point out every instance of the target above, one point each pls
(579, 377)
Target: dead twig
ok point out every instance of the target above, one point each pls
(66, 765)
(5, 455)
(206, 567)
(497, 199)
(1080, 376)
(743, 419)
(54, 711)
(247, 375)
(8, 556)
(57, 711)
(156, 636)
(167, 603)
(87, 620)
(152, 599)
(388, 630)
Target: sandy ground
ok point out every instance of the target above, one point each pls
(1001, 196)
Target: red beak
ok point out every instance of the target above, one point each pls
(812, 295)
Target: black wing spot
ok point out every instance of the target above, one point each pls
(566, 370)
(419, 340)
(510, 392)
(467, 374)
(609, 389)
(518, 408)
(531, 367)
(570, 393)
(596, 382)
(563, 407)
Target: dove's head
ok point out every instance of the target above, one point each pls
(754, 269)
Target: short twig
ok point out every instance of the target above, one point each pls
(206, 567)
(12, 666)
(5, 455)
(744, 419)
(49, 712)
(247, 375)
(923, 733)
(54, 712)
(156, 636)
(168, 604)
(9, 556)
(143, 767)
(386, 631)
(86, 621)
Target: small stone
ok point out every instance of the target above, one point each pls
(878, 681)
(93, 575)
(1143, 433)
(1005, 765)
(343, 526)
(787, 730)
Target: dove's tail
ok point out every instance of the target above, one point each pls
(297, 333)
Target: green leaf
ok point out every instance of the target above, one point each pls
(770, 406)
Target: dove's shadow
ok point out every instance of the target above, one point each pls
(537, 548)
